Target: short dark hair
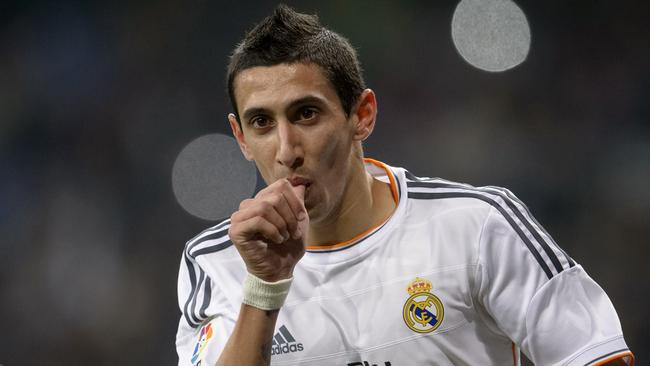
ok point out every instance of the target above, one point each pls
(287, 36)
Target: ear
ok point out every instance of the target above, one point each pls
(239, 136)
(365, 115)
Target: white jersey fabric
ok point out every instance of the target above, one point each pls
(457, 275)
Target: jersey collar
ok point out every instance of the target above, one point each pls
(383, 173)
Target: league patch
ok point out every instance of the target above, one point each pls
(204, 337)
(423, 311)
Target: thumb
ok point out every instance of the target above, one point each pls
(303, 218)
(299, 190)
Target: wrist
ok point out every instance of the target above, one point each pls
(263, 294)
(275, 277)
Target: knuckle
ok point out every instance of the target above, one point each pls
(285, 184)
(235, 217)
(257, 221)
(245, 203)
(275, 200)
(265, 206)
(233, 233)
(292, 224)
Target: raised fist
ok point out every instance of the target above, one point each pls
(269, 230)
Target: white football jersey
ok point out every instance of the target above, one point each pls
(457, 275)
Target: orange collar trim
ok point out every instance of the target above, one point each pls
(372, 230)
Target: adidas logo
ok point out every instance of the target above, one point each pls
(283, 342)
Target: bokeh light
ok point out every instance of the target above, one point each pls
(211, 177)
(492, 35)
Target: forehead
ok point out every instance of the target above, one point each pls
(279, 85)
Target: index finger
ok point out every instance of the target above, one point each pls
(295, 196)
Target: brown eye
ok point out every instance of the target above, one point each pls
(260, 122)
(307, 113)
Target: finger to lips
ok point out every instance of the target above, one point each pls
(284, 209)
(295, 196)
(292, 209)
(275, 187)
(268, 211)
(297, 201)
(299, 190)
(258, 225)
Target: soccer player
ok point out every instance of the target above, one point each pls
(343, 260)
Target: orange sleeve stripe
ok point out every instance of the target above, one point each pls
(612, 358)
(599, 363)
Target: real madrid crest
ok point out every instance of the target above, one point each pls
(423, 311)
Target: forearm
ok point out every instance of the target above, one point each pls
(268, 232)
(250, 342)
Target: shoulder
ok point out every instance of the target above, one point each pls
(507, 223)
(212, 240)
(437, 196)
(424, 188)
(205, 259)
(488, 199)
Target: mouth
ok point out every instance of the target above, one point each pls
(299, 181)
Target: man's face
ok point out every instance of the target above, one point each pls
(293, 126)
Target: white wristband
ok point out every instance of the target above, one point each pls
(265, 295)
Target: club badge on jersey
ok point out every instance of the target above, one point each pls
(423, 311)
(204, 337)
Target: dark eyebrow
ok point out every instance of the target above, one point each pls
(253, 111)
(309, 99)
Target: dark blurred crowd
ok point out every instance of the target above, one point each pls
(98, 98)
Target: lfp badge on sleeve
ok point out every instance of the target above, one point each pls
(204, 337)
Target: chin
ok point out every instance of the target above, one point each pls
(314, 212)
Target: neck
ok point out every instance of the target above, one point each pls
(366, 204)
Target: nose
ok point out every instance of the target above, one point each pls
(290, 152)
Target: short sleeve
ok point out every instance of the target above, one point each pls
(207, 319)
(539, 297)
(571, 321)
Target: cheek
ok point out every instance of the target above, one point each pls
(333, 161)
(264, 156)
(334, 149)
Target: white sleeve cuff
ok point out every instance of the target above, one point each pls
(595, 355)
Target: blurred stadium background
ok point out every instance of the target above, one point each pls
(98, 98)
